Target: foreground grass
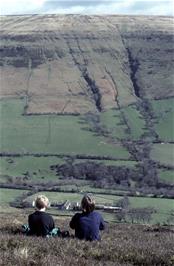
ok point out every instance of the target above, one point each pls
(121, 245)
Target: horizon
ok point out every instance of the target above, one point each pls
(88, 7)
(85, 15)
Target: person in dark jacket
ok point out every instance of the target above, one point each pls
(40, 223)
(88, 223)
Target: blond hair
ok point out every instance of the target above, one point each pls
(41, 202)
(88, 203)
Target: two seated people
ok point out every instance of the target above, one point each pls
(86, 224)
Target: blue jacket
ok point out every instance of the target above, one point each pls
(87, 225)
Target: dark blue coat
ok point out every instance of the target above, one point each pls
(87, 225)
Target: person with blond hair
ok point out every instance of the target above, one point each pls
(88, 223)
(40, 223)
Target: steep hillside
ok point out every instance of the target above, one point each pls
(76, 64)
(86, 104)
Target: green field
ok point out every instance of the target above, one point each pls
(164, 122)
(166, 175)
(8, 195)
(50, 134)
(61, 197)
(113, 121)
(135, 121)
(163, 207)
(163, 153)
(33, 167)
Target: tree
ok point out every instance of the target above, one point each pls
(123, 203)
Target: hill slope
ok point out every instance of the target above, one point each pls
(122, 245)
(87, 101)
(76, 64)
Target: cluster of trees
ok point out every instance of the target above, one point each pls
(95, 171)
(144, 175)
(142, 178)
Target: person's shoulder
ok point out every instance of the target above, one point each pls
(32, 214)
(47, 215)
(77, 215)
(97, 214)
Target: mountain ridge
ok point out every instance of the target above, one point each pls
(76, 64)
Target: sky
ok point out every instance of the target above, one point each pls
(128, 7)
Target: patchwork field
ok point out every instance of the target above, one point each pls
(69, 135)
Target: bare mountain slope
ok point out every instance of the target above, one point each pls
(75, 64)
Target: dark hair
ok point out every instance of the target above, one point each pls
(88, 203)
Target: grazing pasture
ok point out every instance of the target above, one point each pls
(166, 175)
(164, 113)
(8, 195)
(50, 134)
(163, 153)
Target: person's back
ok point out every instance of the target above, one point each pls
(40, 222)
(88, 223)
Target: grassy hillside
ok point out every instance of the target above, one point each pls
(86, 105)
(78, 64)
(121, 245)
